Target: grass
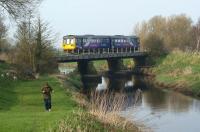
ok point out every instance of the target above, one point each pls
(102, 65)
(181, 68)
(22, 105)
(22, 110)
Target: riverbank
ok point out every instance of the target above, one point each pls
(22, 110)
(179, 71)
(98, 103)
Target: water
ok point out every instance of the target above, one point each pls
(65, 71)
(165, 111)
(161, 110)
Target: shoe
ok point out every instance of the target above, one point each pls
(49, 110)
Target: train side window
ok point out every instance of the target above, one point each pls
(105, 40)
(84, 40)
(77, 40)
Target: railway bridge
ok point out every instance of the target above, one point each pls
(114, 59)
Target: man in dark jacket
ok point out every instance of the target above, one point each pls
(47, 90)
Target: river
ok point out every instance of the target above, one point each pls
(159, 110)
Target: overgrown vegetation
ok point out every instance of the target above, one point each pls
(107, 105)
(181, 68)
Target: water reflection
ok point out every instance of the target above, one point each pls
(113, 85)
(178, 103)
(165, 110)
(155, 99)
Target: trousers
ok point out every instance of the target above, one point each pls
(47, 103)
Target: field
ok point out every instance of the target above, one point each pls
(22, 110)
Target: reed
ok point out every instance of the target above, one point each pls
(107, 106)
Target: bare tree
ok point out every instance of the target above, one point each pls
(172, 32)
(43, 46)
(34, 49)
(24, 53)
(3, 31)
(18, 8)
(196, 32)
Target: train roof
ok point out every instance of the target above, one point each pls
(99, 36)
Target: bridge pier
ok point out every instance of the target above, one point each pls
(86, 67)
(115, 65)
(139, 81)
(140, 61)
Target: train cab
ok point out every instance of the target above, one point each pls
(69, 43)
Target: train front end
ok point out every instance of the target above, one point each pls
(69, 43)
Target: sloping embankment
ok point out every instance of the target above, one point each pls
(179, 71)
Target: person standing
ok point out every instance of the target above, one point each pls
(47, 90)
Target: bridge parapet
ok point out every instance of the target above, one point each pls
(101, 56)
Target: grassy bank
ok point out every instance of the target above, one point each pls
(22, 110)
(180, 69)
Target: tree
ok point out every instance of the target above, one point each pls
(155, 44)
(4, 44)
(178, 31)
(24, 47)
(156, 26)
(43, 47)
(34, 49)
(173, 31)
(196, 33)
(17, 8)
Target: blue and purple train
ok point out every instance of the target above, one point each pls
(97, 43)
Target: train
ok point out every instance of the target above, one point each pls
(100, 43)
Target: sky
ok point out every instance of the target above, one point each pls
(110, 17)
